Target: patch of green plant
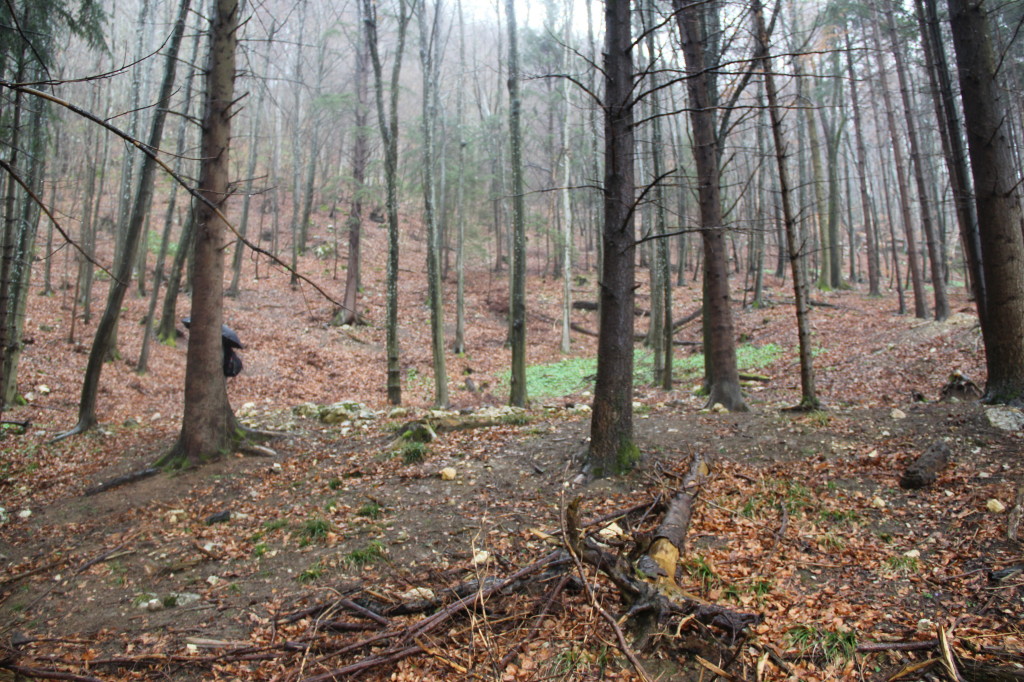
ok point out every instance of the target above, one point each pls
(831, 645)
(370, 510)
(885, 537)
(315, 529)
(259, 550)
(335, 483)
(796, 496)
(372, 553)
(837, 516)
(143, 598)
(413, 452)
(903, 564)
(699, 568)
(311, 574)
(572, 375)
(275, 524)
(169, 601)
(819, 418)
(830, 542)
(515, 419)
(565, 662)
(761, 587)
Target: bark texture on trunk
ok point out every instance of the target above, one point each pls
(209, 428)
(612, 450)
(996, 188)
(722, 377)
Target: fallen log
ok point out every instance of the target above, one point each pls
(925, 469)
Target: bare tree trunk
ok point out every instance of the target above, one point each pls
(209, 427)
(387, 120)
(722, 376)
(612, 450)
(349, 312)
(429, 68)
(808, 392)
(179, 157)
(998, 200)
(106, 329)
(928, 227)
(254, 146)
(953, 148)
(920, 306)
(862, 177)
(460, 199)
(517, 303)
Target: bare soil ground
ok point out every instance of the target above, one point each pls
(803, 521)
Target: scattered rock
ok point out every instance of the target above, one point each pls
(398, 412)
(418, 594)
(449, 474)
(995, 506)
(153, 605)
(898, 413)
(878, 503)
(481, 557)
(719, 408)
(913, 553)
(219, 517)
(417, 432)
(184, 598)
(925, 469)
(176, 515)
(24, 513)
(1005, 417)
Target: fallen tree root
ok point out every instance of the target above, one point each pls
(649, 589)
(122, 480)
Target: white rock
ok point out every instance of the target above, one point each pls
(913, 554)
(925, 625)
(43, 389)
(24, 513)
(878, 503)
(481, 557)
(397, 412)
(1005, 418)
(418, 594)
(213, 580)
(154, 605)
(719, 408)
(897, 413)
(448, 474)
(995, 506)
(612, 531)
(176, 515)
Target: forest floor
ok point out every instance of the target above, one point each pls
(240, 569)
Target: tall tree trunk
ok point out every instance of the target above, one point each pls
(998, 200)
(917, 280)
(953, 148)
(612, 450)
(250, 173)
(387, 121)
(917, 163)
(429, 68)
(209, 427)
(808, 392)
(862, 177)
(721, 374)
(517, 303)
(459, 346)
(158, 275)
(349, 312)
(106, 329)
